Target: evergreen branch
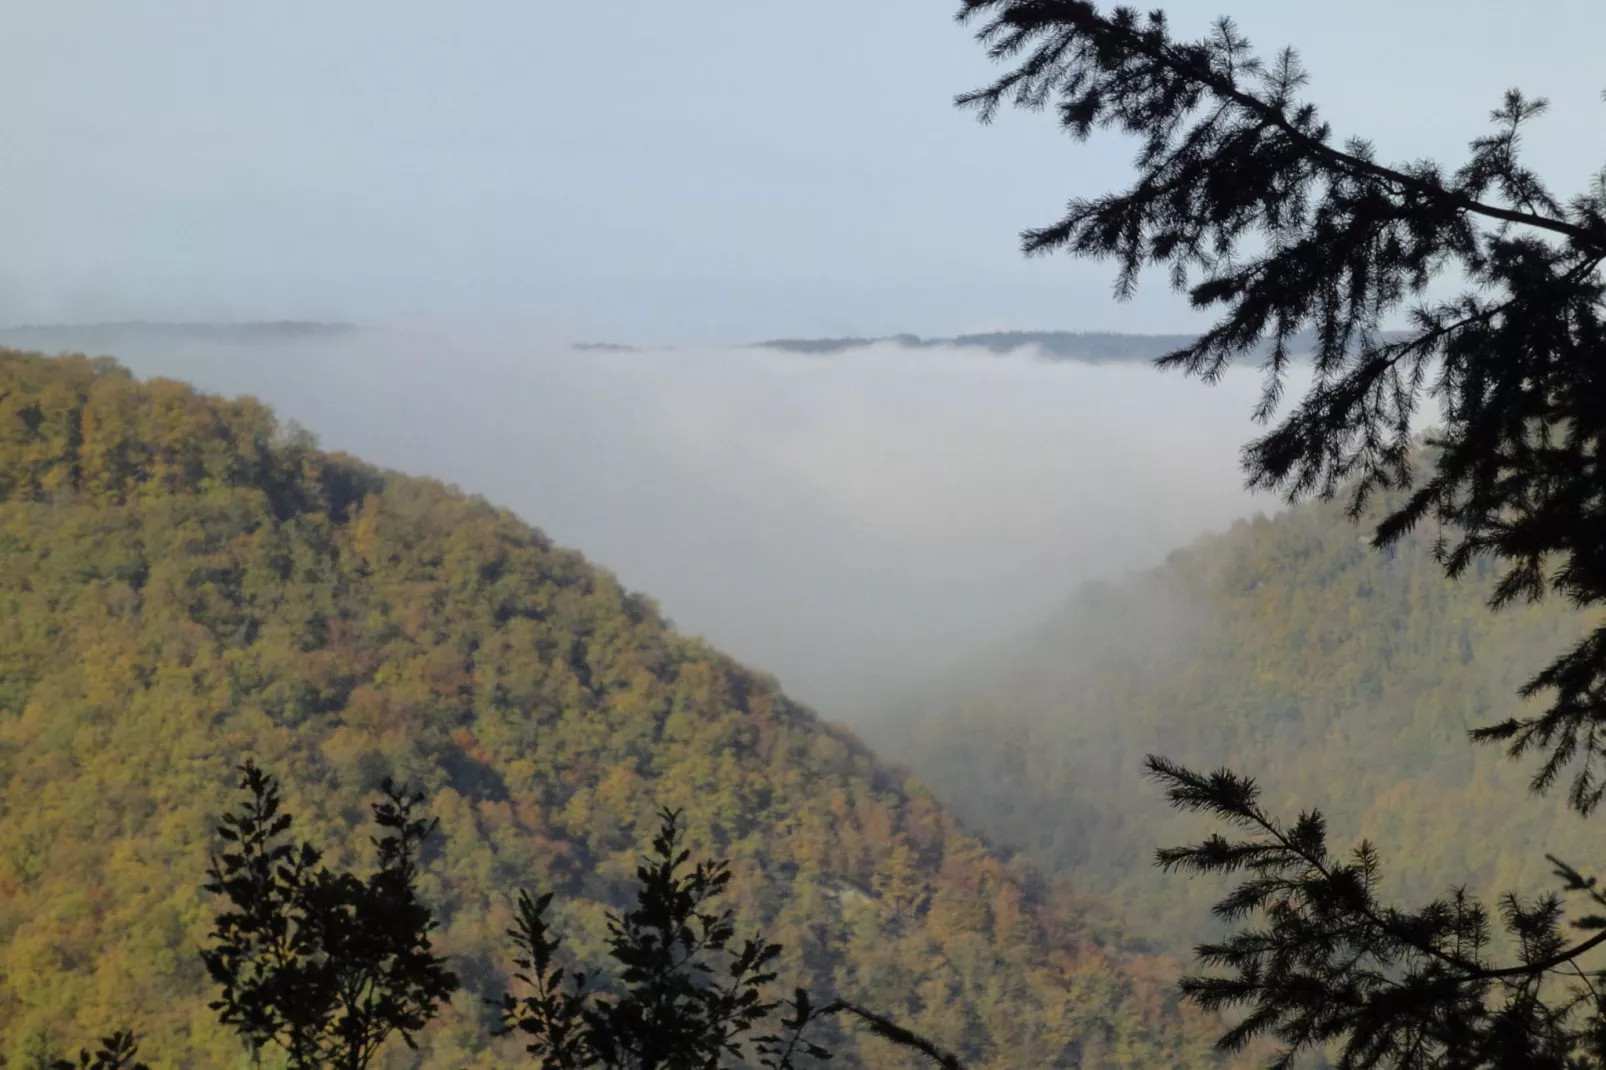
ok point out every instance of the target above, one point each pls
(1559, 959)
(1028, 16)
(887, 1029)
(1191, 796)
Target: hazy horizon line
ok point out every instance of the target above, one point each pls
(1055, 343)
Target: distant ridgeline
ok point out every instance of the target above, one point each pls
(1091, 347)
(105, 337)
(1094, 347)
(184, 585)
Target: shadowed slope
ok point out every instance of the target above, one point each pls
(1338, 675)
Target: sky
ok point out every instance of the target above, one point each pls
(483, 182)
(706, 172)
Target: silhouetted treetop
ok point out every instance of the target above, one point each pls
(1257, 213)
(322, 963)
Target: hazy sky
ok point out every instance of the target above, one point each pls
(710, 170)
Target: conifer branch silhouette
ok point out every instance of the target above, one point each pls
(1295, 243)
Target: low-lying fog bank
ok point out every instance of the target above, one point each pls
(849, 522)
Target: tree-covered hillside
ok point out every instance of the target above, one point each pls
(184, 585)
(1289, 648)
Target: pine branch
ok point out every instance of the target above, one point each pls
(1031, 16)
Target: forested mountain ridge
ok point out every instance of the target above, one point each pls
(184, 585)
(1340, 676)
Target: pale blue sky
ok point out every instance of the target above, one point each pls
(713, 170)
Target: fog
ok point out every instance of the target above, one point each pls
(851, 523)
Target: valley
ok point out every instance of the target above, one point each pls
(184, 584)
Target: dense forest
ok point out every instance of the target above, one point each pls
(1341, 676)
(184, 584)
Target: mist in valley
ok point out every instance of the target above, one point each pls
(844, 362)
(853, 523)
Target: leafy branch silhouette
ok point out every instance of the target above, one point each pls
(689, 995)
(324, 964)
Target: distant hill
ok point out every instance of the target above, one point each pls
(604, 347)
(97, 338)
(1094, 347)
(1288, 648)
(103, 337)
(183, 584)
